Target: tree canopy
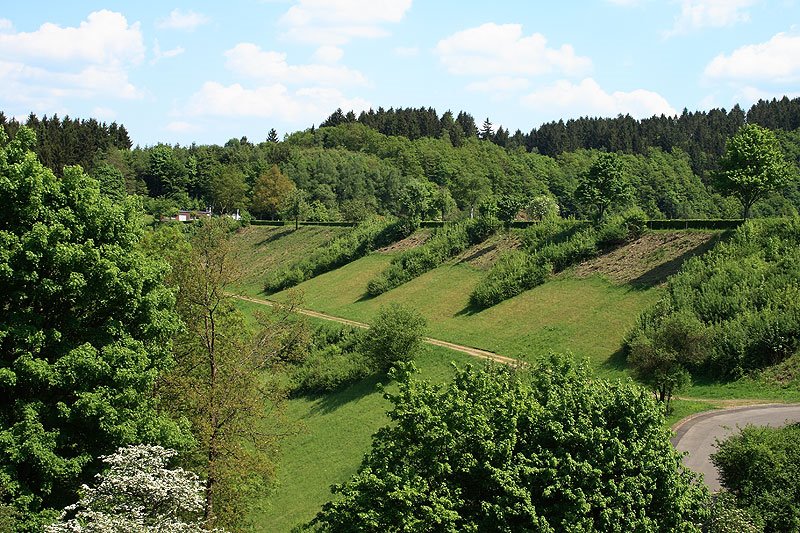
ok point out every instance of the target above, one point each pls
(752, 166)
(502, 450)
(84, 331)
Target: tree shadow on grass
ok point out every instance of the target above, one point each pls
(659, 274)
(618, 361)
(364, 297)
(275, 236)
(470, 309)
(330, 402)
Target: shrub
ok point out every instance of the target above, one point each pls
(394, 336)
(551, 246)
(365, 237)
(746, 294)
(448, 241)
(332, 361)
(760, 467)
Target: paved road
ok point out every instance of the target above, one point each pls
(697, 434)
(469, 350)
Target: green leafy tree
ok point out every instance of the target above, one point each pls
(394, 336)
(228, 190)
(663, 359)
(508, 207)
(759, 467)
(219, 382)
(553, 449)
(752, 166)
(85, 326)
(270, 192)
(604, 185)
(295, 206)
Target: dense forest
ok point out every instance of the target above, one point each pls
(398, 161)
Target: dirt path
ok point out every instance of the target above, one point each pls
(474, 352)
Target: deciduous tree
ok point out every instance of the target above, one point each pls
(85, 326)
(553, 449)
(270, 193)
(604, 185)
(752, 166)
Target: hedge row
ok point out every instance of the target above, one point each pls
(551, 247)
(448, 241)
(695, 224)
(364, 238)
(338, 224)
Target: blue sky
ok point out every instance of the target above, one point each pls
(205, 72)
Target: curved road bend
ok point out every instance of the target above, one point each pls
(474, 352)
(698, 433)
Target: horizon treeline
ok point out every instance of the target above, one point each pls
(404, 161)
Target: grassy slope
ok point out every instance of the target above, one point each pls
(333, 433)
(587, 317)
(261, 249)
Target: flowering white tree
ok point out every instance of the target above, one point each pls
(137, 494)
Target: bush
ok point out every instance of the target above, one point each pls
(512, 273)
(365, 237)
(745, 292)
(332, 361)
(760, 467)
(395, 336)
(551, 246)
(448, 241)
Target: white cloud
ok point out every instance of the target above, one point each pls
(179, 126)
(159, 54)
(302, 106)
(328, 54)
(775, 61)
(499, 84)
(247, 59)
(103, 38)
(87, 61)
(336, 22)
(406, 51)
(178, 20)
(697, 14)
(6, 25)
(501, 49)
(587, 98)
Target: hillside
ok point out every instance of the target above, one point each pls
(586, 312)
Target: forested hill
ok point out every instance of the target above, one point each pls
(69, 141)
(701, 134)
(415, 163)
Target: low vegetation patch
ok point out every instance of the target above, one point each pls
(364, 238)
(727, 313)
(551, 247)
(447, 242)
(759, 468)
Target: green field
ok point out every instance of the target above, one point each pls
(261, 249)
(585, 316)
(331, 435)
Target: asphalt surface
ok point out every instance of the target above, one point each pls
(698, 434)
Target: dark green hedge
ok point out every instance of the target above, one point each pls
(696, 223)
